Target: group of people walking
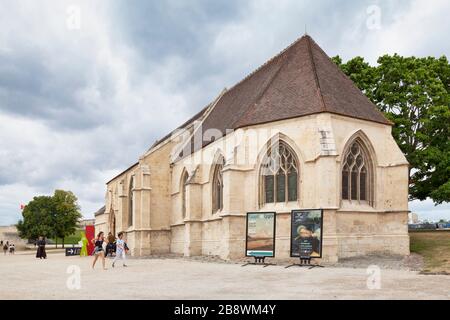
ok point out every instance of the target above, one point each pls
(7, 246)
(121, 248)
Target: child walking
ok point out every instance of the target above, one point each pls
(120, 250)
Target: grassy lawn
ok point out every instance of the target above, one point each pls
(434, 247)
(72, 239)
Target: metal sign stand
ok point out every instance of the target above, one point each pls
(305, 262)
(259, 261)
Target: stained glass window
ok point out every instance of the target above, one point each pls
(131, 202)
(279, 174)
(183, 193)
(217, 191)
(355, 176)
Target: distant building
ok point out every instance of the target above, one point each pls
(444, 225)
(10, 233)
(86, 222)
(422, 226)
(413, 218)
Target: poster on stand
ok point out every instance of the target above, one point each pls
(260, 239)
(306, 233)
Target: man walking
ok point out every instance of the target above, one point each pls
(120, 250)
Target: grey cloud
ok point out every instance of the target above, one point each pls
(81, 107)
(161, 28)
(31, 86)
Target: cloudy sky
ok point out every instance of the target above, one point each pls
(87, 86)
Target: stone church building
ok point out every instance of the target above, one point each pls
(294, 134)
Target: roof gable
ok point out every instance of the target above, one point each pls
(301, 80)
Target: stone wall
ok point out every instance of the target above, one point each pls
(362, 233)
(318, 141)
(9, 233)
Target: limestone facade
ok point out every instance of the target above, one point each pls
(190, 193)
(154, 189)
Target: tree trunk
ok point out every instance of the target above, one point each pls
(56, 242)
(63, 242)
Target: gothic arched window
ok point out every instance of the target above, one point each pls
(217, 187)
(183, 193)
(356, 173)
(131, 202)
(279, 174)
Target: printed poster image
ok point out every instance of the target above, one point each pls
(260, 235)
(306, 233)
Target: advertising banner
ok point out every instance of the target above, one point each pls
(306, 233)
(260, 234)
(90, 234)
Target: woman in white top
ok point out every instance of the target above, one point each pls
(120, 250)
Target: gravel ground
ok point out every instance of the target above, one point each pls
(414, 262)
(172, 277)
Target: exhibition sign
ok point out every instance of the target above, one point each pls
(75, 251)
(260, 239)
(306, 233)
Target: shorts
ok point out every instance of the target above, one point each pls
(97, 250)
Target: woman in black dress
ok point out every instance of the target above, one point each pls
(41, 254)
(98, 251)
(5, 248)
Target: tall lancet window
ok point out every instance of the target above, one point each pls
(131, 202)
(356, 173)
(217, 187)
(183, 193)
(279, 174)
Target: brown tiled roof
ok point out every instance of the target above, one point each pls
(184, 125)
(301, 80)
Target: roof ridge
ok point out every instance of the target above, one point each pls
(268, 62)
(347, 79)
(316, 77)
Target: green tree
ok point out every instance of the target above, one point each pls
(66, 213)
(37, 219)
(413, 93)
(53, 217)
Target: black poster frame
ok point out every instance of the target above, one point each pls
(321, 231)
(274, 232)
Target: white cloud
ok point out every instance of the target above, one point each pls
(418, 28)
(426, 210)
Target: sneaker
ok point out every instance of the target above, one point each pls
(113, 265)
(125, 265)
